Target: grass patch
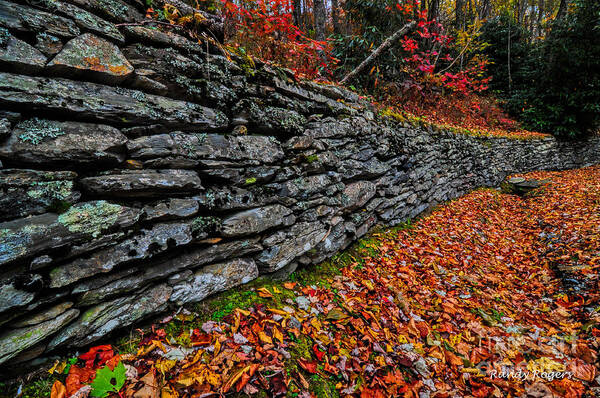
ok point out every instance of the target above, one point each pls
(36, 388)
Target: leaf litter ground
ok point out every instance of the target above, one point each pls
(491, 295)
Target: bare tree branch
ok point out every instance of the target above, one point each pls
(387, 43)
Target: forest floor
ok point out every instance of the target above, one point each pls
(490, 295)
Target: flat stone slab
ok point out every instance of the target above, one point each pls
(18, 55)
(25, 192)
(214, 278)
(85, 20)
(27, 237)
(171, 209)
(257, 220)
(102, 103)
(114, 10)
(179, 145)
(147, 243)
(18, 340)
(26, 19)
(164, 39)
(283, 247)
(40, 141)
(143, 183)
(12, 297)
(103, 318)
(91, 57)
(45, 315)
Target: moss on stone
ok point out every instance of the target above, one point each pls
(37, 130)
(205, 224)
(90, 218)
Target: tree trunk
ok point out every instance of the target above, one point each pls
(297, 13)
(433, 11)
(459, 13)
(335, 16)
(387, 43)
(320, 17)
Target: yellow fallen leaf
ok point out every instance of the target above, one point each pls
(277, 334)
(264, 338)
(58, 367)
(264, 293)
(164, 365)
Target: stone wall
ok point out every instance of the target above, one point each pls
(141, 171)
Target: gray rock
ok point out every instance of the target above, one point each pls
(15, 341)
(171, 209)
(147, 243)
(5, 128)
(214, 278)
(163, 39)
(357, 194)
(11, 297)
(257, 220)
(93, 58)
(46, 315)
(269, 119)
(26, 19)
(100, 320)
(143, 183)
(18, 55)
(28, 237)
(114, 10)
(232, 198)
(25, 192)
(49, 45)
(304, 187)
(301, 238)
(206, 146)
(97, 290)
(39, 141)
(104, 103)
(85, 20)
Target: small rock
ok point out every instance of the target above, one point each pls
(143, 183)
(257, 220)
(18, 55)
(15, 341)
(90, 56)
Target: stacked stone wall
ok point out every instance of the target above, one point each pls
(141, 171)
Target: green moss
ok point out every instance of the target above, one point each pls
(205, 224)
(312, 158)
(251, 180)
(91, 218)
(37, 130)
(39, 388)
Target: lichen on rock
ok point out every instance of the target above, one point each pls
(91, 218)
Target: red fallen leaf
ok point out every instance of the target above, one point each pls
(582, 370)
(330, 369)
(97, 356)
(242, 382)
(278, 385)
(310, 367)
(77, 377)
(199, 338)
(320, 354)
